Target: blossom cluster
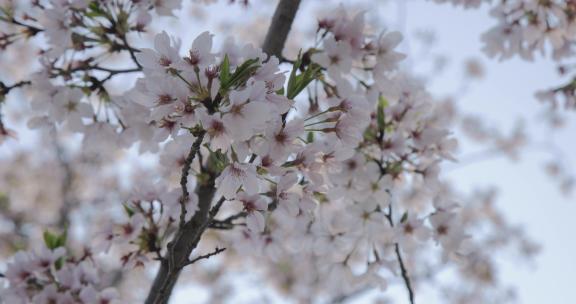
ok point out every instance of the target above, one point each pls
(326, 164)
(79, 37)
(52, 276)
(316, 182)
(333, 167)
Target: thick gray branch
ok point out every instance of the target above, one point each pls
(280, 27)
(180, 248)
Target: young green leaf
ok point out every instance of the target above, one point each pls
(382, 103)
(54, 241)
(297, 83)
(225, 70)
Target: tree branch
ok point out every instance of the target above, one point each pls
(195, 149)
(280, 27)
(404, 274)
(4, 90)
(187, 236)
(227, 223)
(401, 261)
(131, 50)
(181, 246)
(206, 256)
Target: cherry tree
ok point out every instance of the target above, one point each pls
(318, 170)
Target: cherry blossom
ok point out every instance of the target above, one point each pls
(321, 173)
(237, 175)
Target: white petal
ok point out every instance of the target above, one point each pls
(250, 184)
(255, 221)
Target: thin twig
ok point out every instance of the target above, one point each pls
(4, 90)
(404, 274)
(227, 223)
(213, 213)
(206, 256)
(403, 270)
(131, 50)
(112, 71)
(32, 30)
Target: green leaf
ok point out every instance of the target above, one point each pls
(225, 70)
(217, 161)
(297, 83)
(261, 170)
(4, 201)
(394, 168)
(203, 178)
(59, 263)
(50, 240)
(94, 10)
(241, 74)
(292, 79)
(122, 26)
(404, 217)
(310, 137)
(370, 134)
(7, 12)
(382, 103)
(54, 241)
(129, 211)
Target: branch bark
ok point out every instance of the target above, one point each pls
(180, 248)
(280, 27)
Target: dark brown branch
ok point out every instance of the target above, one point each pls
(4, 90)
(195, 149)
(403, 270)
(30, 29)
(206, 256)
(114, 72)
(188, 234)
(227, 223)
(181, 246)
(404, 274)
(131, 50)
(280, 27)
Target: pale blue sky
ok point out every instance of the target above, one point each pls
(527, 195)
